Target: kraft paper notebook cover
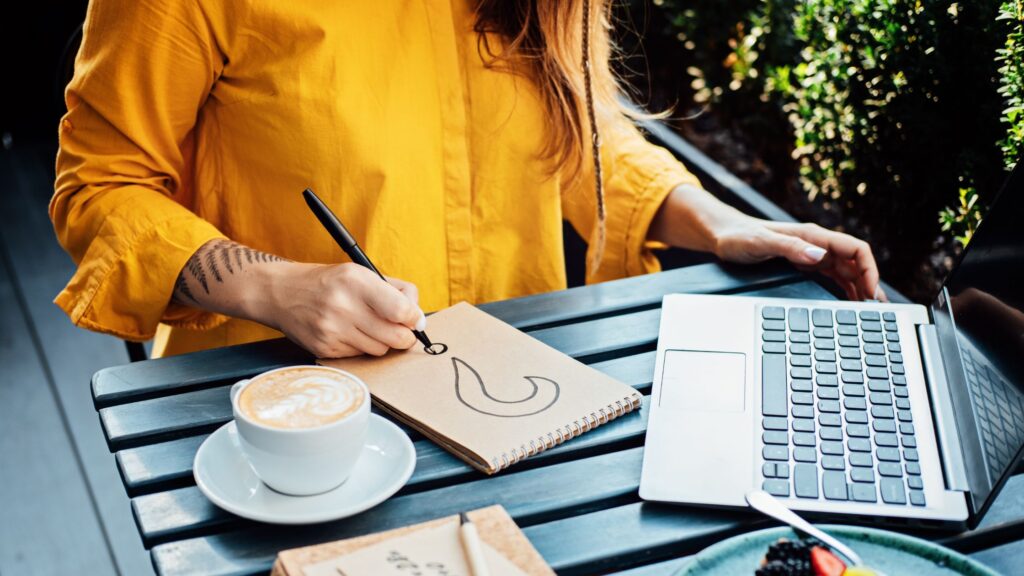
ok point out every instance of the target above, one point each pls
(496, 396)
(497, 531)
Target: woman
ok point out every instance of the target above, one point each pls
(452, 136)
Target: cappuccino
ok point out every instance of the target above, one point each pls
(300, 397)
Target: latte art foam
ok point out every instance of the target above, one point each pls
(300, 398)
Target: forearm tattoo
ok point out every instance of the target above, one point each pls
(212, 263)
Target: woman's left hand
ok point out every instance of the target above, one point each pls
(841, 257)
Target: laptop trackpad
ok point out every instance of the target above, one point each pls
(703, 381)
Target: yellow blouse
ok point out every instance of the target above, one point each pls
(190, 120)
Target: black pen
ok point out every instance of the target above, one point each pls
(348, 244)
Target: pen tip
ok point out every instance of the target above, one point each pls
(463, 519)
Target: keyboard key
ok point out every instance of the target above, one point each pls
(881, 398)
(878, 385)
(889, 316)
(873, 338)
(917, 497)
(886, 454)
(805, 481)
(848, 341)
(803, 439)
(853, 390)
(871, 326)
(889, 469)
(892, 491)
(825, 368)
(833, 485)
(799, 372)
(829, 419)
(775, 423)
(823, 333)
(850, 353)
(773, 313)
(908, 441)
(776, 487)
(798, 321)
(833, 463)
(775, 453)
(773, 336)
(902, 404)
(801, 361)
(892, 337)
(799, 337)
(857, 431)
(862, 470)
(896, 358)
(800, 349)
(828, 406)
(904, 416)
(890, 327)
(856, 417)
(859, 444)
(775, 437)
(906, 428)
(915, 482)
(773, 348)
(897, 369)
(853, 378)
(781, 470)
(847, 331)
(802, 398)
(872, 360)
(846, 317)
(863, 492)
(832, 448)
(805, 454)
(886, 440)
(883, 425)
(798, 385)
(831, 433)
(881, 412)
(822, 344)
(803, 425)
(874, 349)
(821, 317)
(826, 393)
(773, 325)
(768, 470)
(910, 454)
(825, 356)
(893, 347)
(827, 380)
(876, 372)
(855, 404)
(853, 365)
(773, 385)
(900, 391)
(913, 468)
(803, 411)
(869, 315)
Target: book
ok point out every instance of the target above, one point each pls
(429, 548)
(496, 396)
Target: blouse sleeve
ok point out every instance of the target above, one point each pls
(638, 176)
(123, 190)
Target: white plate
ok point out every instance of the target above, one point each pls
(225, 477)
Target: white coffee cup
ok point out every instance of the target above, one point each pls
(303, 461)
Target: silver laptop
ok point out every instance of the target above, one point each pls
(899, 412)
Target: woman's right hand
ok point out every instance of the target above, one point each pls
(340, 310)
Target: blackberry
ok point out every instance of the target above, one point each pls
(786, 549)
(790, 567)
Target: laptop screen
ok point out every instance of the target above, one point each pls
(986, 298)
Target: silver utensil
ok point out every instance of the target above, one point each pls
(770, 505)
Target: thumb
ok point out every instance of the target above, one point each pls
(795, 249)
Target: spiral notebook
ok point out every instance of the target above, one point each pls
(496, 396)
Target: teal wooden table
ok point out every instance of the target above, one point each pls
(577, 503)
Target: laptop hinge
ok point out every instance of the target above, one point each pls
(946, 433)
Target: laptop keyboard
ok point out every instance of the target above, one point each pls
(836, 413)
(1000, 413)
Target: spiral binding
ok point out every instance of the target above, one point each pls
(567, 432)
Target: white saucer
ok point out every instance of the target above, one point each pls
(225, 477)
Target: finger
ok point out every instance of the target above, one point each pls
(391, 304)
(847, 286)
(323, 349)
(842, 246)
(365, 343)
(392, 335)
(793, 248)
(408, 288)
(880, 294)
